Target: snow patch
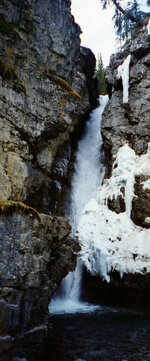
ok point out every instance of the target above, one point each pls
(111, 241)
(123, 73)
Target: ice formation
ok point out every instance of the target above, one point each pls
(123, 72)
(111, 241)
(148, 27)
(146, 184)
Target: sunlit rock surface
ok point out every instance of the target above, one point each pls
(44, 92)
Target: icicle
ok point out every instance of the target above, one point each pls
(111, 240)
(148, 27)
(123, 72)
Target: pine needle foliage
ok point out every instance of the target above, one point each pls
(100, 74)
(126, 19)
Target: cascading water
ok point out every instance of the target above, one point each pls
(88, 175)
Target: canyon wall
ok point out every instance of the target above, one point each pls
(115, 226)
(36, 252)
(44, 92)
(46, 83)
(128, 123)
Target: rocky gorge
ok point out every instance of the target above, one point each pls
(42, 88)
(47, 86)
(117, 245)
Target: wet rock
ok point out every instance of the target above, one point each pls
(127, 124)
(87, 64)
(116, 204)
(44, 93)
(35, 254)
(18, 359)
(132, 290)
(141, 203)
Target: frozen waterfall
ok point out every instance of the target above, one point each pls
(88, 175)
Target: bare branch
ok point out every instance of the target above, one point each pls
(124, 12)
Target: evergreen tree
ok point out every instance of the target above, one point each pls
(126, 19)
(100, 76)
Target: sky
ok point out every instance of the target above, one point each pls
(97, 27)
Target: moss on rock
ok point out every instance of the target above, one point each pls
(63, 84)
(9, 207)
(7, 71)
(5, 27)
(19, 87)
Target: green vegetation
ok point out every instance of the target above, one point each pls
(21, 57)
(27, 5)
(63, 84)
(126, 19)
(30, 25)
(99, 72)
(7, 71)
(5, 27)
(19, 87)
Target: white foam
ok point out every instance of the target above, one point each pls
(69, 306)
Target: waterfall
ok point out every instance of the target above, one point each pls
(87, 177)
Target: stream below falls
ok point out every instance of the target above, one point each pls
(82, 331)
(100, 334)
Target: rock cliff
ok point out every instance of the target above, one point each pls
(116, 224)
(46, 87)
(35, 253)
(128, 123)
(44, 91)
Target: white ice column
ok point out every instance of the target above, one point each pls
(123, 73)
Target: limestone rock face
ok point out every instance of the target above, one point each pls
(141, 202)
(114, 228)
(87, 63)
(126, 124)
(35, 253)
(129, 123)
(44, 91)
